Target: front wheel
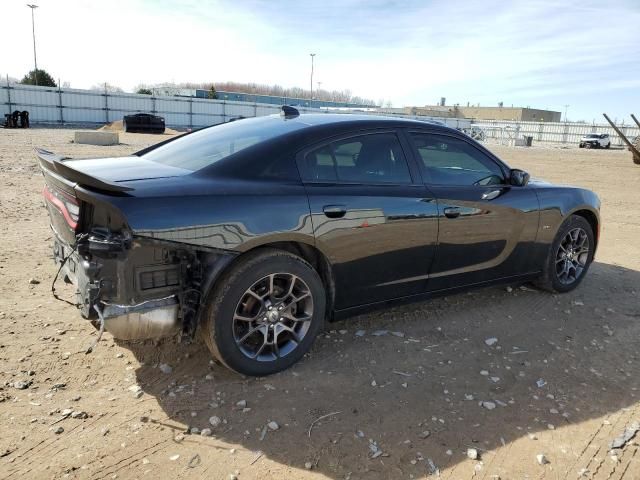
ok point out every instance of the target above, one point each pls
(569, 257)
(264, 314)
(608, 145)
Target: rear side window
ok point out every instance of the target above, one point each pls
(452, 161)
(366, 159)
(210, 145)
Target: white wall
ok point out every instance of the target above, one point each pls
(50, 105)
(557, 132)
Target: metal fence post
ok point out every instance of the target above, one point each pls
(255, 107)
(190, 112)
(8, 94)
(60, 103)
(153, 104)
(106, 104)
(224, 111)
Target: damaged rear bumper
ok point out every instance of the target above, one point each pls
(141, 288)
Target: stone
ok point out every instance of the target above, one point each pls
(175, 457)
(58, 430)
(164, 368)
(484, 373)
(541, 459)
(33, 281)
(489, 405)
(308, 465)
(22, 384)
(491, 341)
(273, 426)
(424, 434)
(472, 453)
(361, 333)
(215, 421)
(79, 414)
(241, 404)
(205, 432)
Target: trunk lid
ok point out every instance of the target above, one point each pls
(70, 215)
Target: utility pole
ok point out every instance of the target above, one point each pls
(566, 107)
(33, 6)
(312, 56)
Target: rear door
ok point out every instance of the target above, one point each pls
(487, 226)
(372, 216)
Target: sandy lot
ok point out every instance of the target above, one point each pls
(414, 394)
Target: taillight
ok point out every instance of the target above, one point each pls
(68, 205)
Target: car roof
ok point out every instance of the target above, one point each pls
(318, 119)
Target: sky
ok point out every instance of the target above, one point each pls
(538, 53)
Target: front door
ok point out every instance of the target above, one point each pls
(372, 217)
(487, 226)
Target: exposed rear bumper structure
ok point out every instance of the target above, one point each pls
(149, 319)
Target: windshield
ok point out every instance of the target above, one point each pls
(210, 145)
(592, 135)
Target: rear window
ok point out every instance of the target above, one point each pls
(210, 145)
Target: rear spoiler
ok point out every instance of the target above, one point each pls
(55, 163)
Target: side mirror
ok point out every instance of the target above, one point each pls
(519, 178)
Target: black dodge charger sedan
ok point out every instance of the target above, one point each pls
(254, 232)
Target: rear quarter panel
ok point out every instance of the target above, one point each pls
(220, 214)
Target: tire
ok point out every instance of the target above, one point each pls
(561, 282)
(608, 145)
(587, 145)
(124, 126)
(235, 298)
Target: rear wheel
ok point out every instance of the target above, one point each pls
(124, 125)
(265, 314)
(587, 145)
(570, 256)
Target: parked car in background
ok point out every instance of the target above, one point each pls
(595, 140)
(255, 232)
(143, 123)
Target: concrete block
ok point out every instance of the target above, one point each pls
(97, 138)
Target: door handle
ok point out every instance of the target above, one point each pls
(334, 211)
(492, 194)
(452, 212)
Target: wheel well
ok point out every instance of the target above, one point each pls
(590, 217)
(308, 253)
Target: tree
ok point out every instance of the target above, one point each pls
(44, 79)
(144, 91)
(212, 93)
(107, 87)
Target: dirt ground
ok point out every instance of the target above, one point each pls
(563, 375)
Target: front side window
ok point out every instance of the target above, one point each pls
(367, 159)
(451, 161)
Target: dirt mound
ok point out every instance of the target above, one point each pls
(117, 127)
(113, 127)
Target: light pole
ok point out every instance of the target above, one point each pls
(33, 6)
(566, 107)
(312, 55)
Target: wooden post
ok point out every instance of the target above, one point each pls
(634, 150)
